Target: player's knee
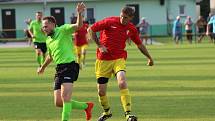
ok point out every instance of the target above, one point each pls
(102, 86)
(83, 52)
(65, 98)
(59, 104)
(121, 79)
(101, 92)
(38, 52)
(122, 84)
(102, 80)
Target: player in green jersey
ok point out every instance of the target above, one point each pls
(59, 46)
(38, 37)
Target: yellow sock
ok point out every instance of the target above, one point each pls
(82, 58)
(105, 104)
(78, 60)
(125, 99)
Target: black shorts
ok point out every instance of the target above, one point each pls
(189, 32)
(66, 73)
(41, 46)
(201, 31)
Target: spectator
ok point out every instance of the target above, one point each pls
(210, 24)
(38, 37)
(200, 25)
(211, 27)
(177, 30)
(143, 29)
(26, 31)
(188, 28)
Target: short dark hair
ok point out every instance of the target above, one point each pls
(128, 11)
(39, 12)
(50, 19)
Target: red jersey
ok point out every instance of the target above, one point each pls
(80, 36)
(113, 36)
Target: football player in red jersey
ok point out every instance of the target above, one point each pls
(111, 57)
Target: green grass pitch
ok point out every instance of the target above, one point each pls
(179, 87)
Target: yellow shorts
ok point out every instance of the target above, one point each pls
(105, 68)
(79, 49)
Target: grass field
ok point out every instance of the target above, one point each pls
(180, 87)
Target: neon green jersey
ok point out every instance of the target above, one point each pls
(36, 28)
(60, 45)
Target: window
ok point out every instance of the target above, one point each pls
(182, 10)
(90, 15)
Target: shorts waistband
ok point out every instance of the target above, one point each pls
(63, 64)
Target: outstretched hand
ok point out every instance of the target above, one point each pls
(80, 7)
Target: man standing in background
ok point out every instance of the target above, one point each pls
(177, 30)
(38, 37)
(210, 24)
(143, 29)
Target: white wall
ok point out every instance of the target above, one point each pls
(190, 8)
(212, 5)
(150, 9)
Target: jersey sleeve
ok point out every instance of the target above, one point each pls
(211, 20)
(100, 25)
(49, 50)
(68, 28)
(47, 45)
(134, 35)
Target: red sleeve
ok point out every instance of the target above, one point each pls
(133, 34)
(100, 25)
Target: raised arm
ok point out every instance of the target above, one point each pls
(80, 9)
